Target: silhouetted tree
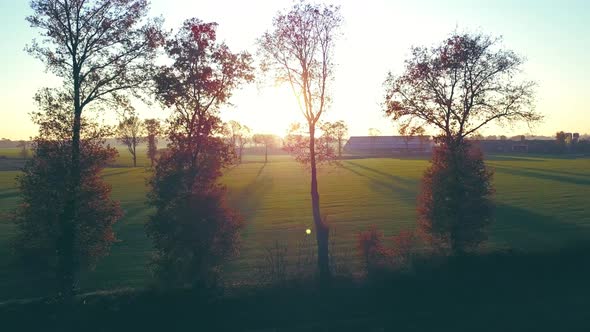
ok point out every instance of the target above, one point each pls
(43, 195)
(193, 230)
(503, 138)
(239, 136)
(455, 204)
(299, 49)
(24, 149)
(153, 129)
(268, 140)
(101, 49)
(337, 131)
(130, 132)
(460, 86)
(560, 141)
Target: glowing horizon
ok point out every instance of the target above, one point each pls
(376, 39)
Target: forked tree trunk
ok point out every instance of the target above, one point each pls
(322, 231)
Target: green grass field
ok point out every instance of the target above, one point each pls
(542, 204)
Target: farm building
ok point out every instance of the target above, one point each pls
(384, 145)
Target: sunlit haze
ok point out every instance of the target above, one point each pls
(376, 38)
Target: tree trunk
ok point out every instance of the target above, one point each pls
(340, 148)
(67, 262)
(134, 157)
(322, 231)
(266, 153)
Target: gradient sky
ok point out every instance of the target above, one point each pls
(553, 35)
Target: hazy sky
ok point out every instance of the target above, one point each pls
(553, 35)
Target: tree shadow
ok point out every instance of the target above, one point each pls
(406, 181)
(558, 172)
(118, 172)
(8, 193)
(249, 199)
(524, 229)
(380, 185)
(542, 176)
(502, 157)
(261, 170)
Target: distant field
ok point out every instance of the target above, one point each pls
(542, 204)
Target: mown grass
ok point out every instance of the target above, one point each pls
(542, 206)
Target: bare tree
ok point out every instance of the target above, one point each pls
(458, 87)
(153, 129)
(101, 49)
(269, 141)
(299, 49)
(130, 132)
(338, 131)
(239, 136)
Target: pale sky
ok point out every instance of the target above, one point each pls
(377, 35)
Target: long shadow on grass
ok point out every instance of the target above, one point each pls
(542, 176)
(8, 193)
(555, 172)
(124, 171)
(525, 229)
(379, 185)
(249, 199)
(406, 181)
(501, 157)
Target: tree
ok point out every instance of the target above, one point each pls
(492, 138)
(560, 140)
(337, 131)
(460, 86)
(238, 135)
(455, 204)
(476, 137)
(192, 229)
(299, 50)
(24, 149)
(268, 140)
(153, 129)
(129, 132)
(101, 49)
(243, 139)
(43, 195)
(503, 138)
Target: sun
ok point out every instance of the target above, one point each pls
(268, 110)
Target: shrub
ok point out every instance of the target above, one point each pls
(455, 204)
(371, 249)
(378, 256)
